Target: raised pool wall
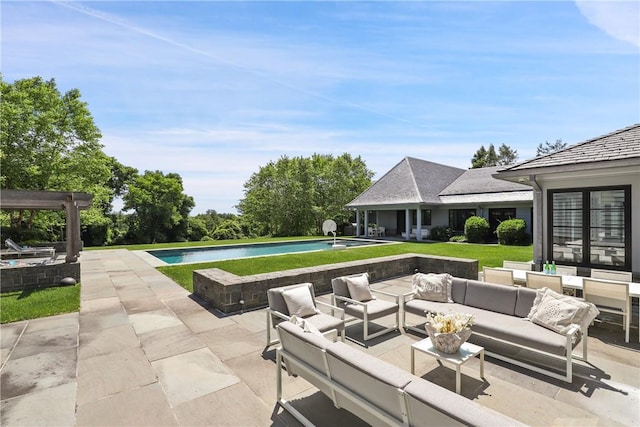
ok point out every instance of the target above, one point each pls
(223, 290)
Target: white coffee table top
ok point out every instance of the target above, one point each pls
(466, 352)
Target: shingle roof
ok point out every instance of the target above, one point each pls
(410, 181)
(619, 145)
(476, 181)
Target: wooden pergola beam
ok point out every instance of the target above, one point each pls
(71, 202)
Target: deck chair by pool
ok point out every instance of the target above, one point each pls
(13, 246)
(299, 300)
(353, 294)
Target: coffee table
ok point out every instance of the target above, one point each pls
(466, 352)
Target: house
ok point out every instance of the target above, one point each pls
(416, 195)
(586, 202)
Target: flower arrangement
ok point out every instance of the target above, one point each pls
(450, 322)
(448, 331)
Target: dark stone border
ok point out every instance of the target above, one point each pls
(37, 276)
(224, 290)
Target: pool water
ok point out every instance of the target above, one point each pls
(218, 253)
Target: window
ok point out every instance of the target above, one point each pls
(457, 218)
(496, 216)
(426, 217)
(589, 227)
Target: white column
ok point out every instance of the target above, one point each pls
(366, 223)
(358, 223)
(407, 222)
(419, 224)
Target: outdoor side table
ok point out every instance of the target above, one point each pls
(466, 352)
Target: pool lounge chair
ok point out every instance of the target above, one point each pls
(13, 246)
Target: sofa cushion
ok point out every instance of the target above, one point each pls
(367, 376)
(303, 345)
(524, 301)
(359, 288)
(432, 287)
(429, 404)
(516, 330)
(458, 289)
(299, 301)
(489, 296)
(421, 307)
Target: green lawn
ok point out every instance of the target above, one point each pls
(24, 305)
(16, 306)
(487, 255)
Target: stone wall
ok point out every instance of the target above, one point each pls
(37, 276)
(224, 290)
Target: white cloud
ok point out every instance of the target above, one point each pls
(619, 19)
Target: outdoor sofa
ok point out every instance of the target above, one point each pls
(376, 391)
(500, 317)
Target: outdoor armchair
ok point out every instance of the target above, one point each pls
(609, 297)
(537, 280)
(497, 275)
(299, 300)
(353, 294)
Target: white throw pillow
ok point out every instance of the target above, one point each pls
(559, 312)
(299, 301)
(305, 325)
(432, 287)
(359, 288)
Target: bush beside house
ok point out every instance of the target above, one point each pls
(512, 232)
(476, 229)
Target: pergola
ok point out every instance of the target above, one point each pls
(70, 202)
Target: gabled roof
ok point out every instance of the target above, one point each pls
(411, 181)
(480, 180)
(621, 145)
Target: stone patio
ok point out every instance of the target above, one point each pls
(143, 351)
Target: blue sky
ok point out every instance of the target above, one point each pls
(214, 90)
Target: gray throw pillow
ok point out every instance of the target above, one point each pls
(359, 288)
(299, 301)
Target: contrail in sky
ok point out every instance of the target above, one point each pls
(116, 20)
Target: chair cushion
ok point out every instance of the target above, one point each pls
(299, 301)
(376, 308)
(339, 284)
(305, 325)
(325, 322)
(432, 287)
(359, 288)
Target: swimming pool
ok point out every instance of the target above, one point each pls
(218, 253)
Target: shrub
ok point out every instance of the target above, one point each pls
(440, 233)
(476, 229)
(512, 232)
(458, 239)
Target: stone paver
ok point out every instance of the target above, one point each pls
(143, 351)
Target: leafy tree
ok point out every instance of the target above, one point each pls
(228, 229)
(549, 148)
(49, 141)
(161, 208)
(488, 157)
(293, 196)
